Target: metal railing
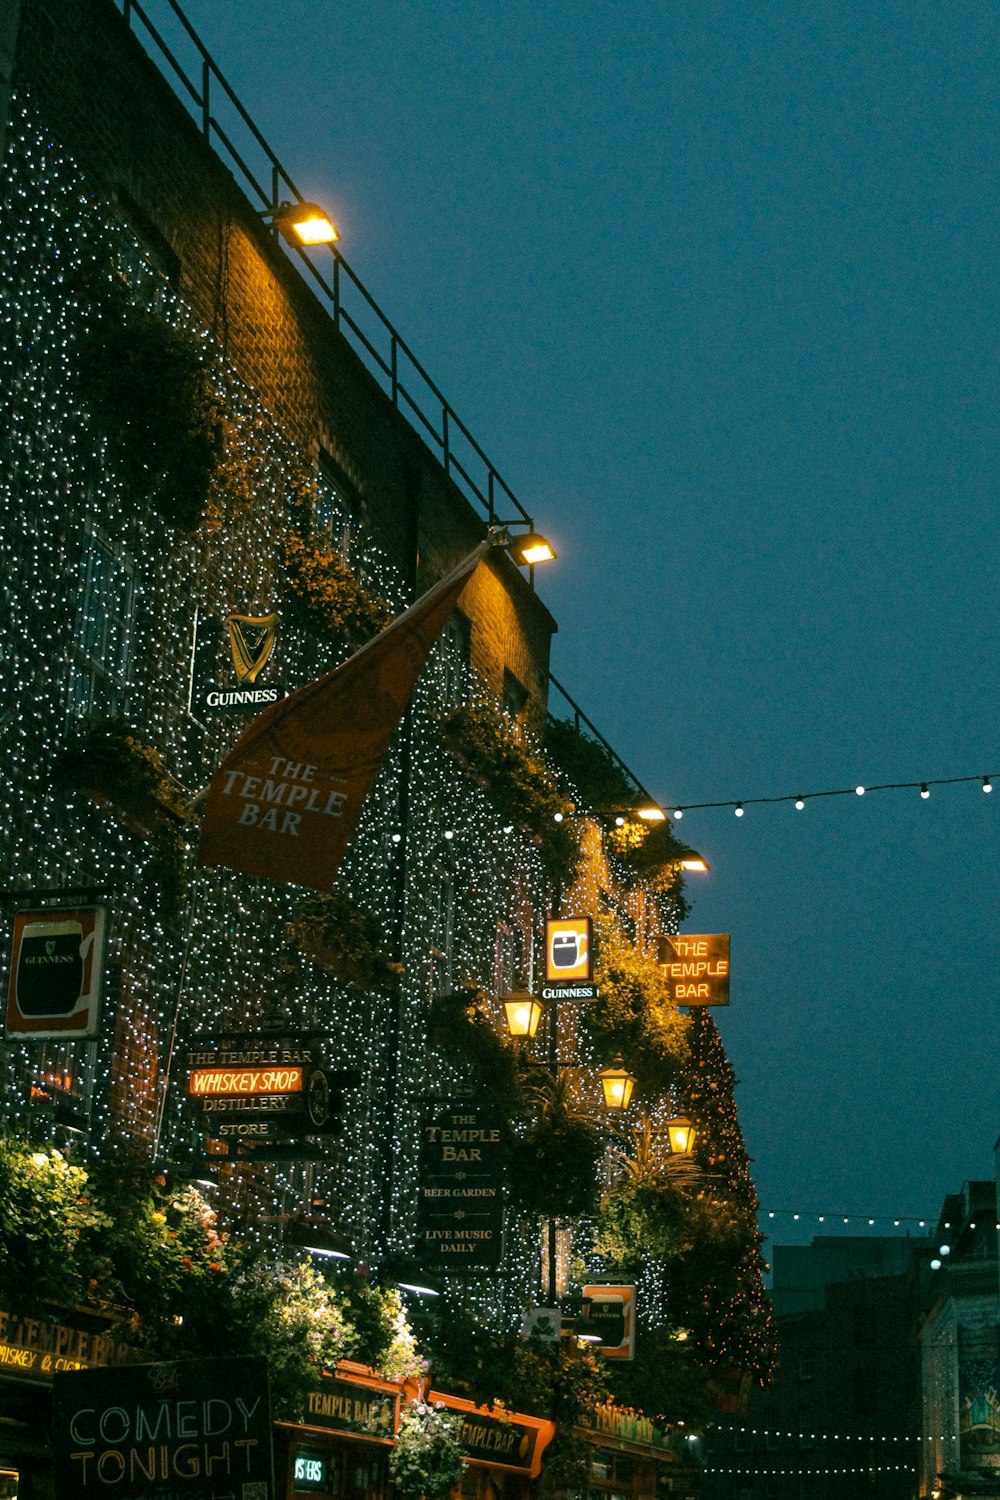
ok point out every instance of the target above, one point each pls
(579, 717)
(207, 95)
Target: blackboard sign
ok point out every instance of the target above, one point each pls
(460, 1202)
(194, 1430)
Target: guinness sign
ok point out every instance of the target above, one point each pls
(57, 960)
(232, 667)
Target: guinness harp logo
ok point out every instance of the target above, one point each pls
(251, 641)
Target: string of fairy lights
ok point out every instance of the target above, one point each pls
(798, 800)
(860, 1221)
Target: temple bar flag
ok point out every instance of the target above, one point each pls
(288, 796)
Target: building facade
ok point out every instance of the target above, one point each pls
(216, 486)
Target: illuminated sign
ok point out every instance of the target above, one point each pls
(233, 665)
(245, 1081)
(609, 1312)
(56, 966)
(32, 1349)
(568, 950)
(258, 1088)
(460, 1189)
(696, 967)
(310, 1470)
(366, 1409)
(513, 1441)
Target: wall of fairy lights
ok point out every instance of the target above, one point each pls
(223, 957)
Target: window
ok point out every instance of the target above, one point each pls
(338, 505)
(515, 695)
(865, 1392)
(508, 971)
(102, 636)
(455, 656)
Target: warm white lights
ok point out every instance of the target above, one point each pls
(531, 549)
(303, 224)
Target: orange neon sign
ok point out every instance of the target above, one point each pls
(218, 1082)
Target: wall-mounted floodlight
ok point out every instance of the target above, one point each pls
(531, 549)
(302, 223)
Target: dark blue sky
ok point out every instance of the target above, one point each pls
(715, 287)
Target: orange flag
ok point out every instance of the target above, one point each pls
(288, 796)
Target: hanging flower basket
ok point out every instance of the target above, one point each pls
(495, 752)
(427, 1459)
(342, 940)
(323, 595)
(128, 779)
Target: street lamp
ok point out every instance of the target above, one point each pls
(617, 1083)
(690, 859)
(682, 1134)
(523, 1013)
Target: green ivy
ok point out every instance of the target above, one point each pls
(635, 1013)
(497, 752)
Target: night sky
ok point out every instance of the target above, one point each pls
(715, 288)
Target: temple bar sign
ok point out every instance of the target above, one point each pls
(696, 967)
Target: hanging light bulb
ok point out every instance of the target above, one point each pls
(739, 809)
(860, 791)
(987, 784)
(800, 803)
(923, 791)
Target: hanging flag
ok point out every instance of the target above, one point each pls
(288, 796)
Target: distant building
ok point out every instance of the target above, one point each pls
(960, 1350)
(841, 1416)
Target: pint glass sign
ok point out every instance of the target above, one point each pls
(57, 960)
